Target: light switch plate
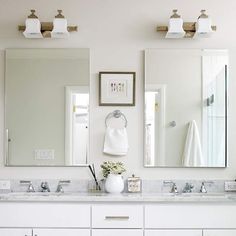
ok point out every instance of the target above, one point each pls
(5, 185)
(230, 186)
(44, 154)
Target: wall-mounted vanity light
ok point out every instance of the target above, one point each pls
(179, 29)
(175, 28)
(60, 26)
(203, 26)
(33, 28)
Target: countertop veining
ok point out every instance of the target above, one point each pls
(124, 197)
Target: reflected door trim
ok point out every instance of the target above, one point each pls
(69, 90)
(162, 106)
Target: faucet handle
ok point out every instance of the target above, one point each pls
(203, 187)
(174, 188)
(59, 186)
(168, 182)
(64, 181)
(30, 185)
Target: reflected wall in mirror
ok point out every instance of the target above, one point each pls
(47, 107)
(185, 108)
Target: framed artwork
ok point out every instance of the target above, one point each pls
(117, 88)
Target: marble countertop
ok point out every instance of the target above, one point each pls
(124, 197)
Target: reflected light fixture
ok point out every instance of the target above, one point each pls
(59, 26)
(175, 27)
(32, 26)
(203, 26)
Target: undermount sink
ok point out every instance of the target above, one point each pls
(208, 195)
(189, 196)
(202, 196)
(49, 194)
(35, 194)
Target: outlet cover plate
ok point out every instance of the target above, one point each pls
(5, 185)
(230, 186)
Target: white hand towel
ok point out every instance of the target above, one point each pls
(116, 142)
(192, 155)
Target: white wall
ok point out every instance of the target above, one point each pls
(117, 32)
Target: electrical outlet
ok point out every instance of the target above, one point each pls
(230, 186)
(5, 185)
(44, 154)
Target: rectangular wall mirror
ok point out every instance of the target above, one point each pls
(47, 107)
(185, 108)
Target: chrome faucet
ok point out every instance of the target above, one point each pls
(30, 188)
(174, 188)
(203, 187)
(45, 187)
(188, 188)
(59, 186)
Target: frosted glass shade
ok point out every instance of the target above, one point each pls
(203, 28)
(59, 28)
(175, 28)
(32, 28)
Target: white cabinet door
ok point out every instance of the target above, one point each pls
(61, 232)
(173, 233)
(219, 232)
(15, 232)
(117, 232)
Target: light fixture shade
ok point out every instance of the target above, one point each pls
(32, 28)
(203, 28)
(175, 28)
(60, 28)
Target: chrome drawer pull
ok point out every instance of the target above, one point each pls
(117, 218)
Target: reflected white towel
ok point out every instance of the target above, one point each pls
(116, 142)
(192, 155)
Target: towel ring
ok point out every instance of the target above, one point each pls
(116, 114)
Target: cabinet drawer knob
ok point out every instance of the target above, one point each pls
(117, 218)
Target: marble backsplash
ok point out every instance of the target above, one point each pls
(148, 186)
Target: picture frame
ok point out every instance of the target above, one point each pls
(116, 88)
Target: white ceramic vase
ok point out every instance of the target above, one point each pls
(114, 183)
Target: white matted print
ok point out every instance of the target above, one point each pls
(117, 88)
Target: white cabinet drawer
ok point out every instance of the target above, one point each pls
(117, 232)
(117, 216)
(61, 232)
(173, 233)
(35, 214)
(15, 232)
(219, 232)
(190, 216)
